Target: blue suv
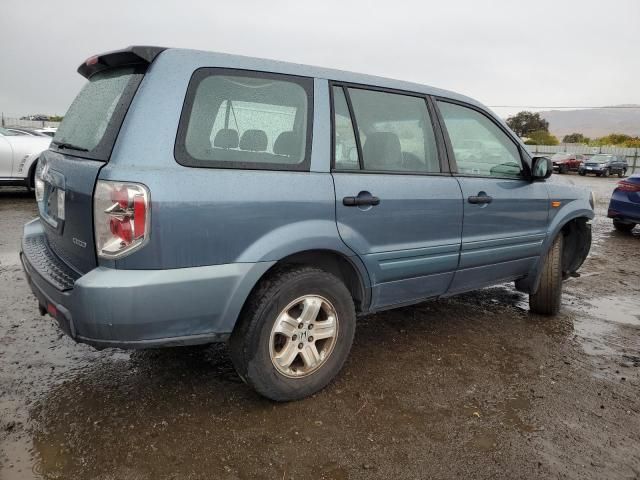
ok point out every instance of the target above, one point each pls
(193, 197)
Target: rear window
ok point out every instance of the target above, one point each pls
(91, 124)
(240, 119)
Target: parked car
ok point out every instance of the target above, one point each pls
(624, 207)
(19, 154)
(26, 131)
(231, 198)
(565, 162)
(48, 131)
(605, 165)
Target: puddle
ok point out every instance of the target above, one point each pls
(599, 326)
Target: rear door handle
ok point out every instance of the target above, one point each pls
(480, 199)
(363, 199)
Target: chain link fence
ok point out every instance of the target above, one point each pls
(18, 122)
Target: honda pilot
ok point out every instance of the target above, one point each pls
(192, 197)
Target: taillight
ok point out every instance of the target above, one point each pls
(625, 186)
(121, 213)
(39, 182)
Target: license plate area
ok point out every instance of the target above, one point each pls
(52, 207)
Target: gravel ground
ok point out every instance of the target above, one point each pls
(468, 387)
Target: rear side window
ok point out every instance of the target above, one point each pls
(239, 119)
(94, 118)
(395, 132)
(480, 147)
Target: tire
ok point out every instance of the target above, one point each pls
(254, 342)
(31, 179)
(547, 299)
(562, 169)
(623, 227)
(582, 173)
(606, 173)
(622, 173)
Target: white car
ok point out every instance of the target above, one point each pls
(49, 131)
(18, 157)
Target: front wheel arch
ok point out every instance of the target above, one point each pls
(577, 240)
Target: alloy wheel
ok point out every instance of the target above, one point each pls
(303, 336)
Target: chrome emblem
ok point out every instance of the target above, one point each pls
(79, 243)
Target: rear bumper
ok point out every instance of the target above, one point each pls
(142, 308)
(624, 211)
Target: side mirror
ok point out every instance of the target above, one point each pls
(541, 168)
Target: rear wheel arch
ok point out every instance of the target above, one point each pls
(330, 261)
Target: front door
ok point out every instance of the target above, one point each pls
(6, 158)
(397, 207)
(505, 214)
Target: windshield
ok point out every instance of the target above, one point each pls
(600, 158)
(560, 156)
(7, 133)
(105, 97)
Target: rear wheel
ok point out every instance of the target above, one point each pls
(294, 333)
(547, 299)
(622, 173)
(562, 169)
(623, 227)
(606, 173)
(582, 173)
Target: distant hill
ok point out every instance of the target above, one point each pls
(594, 122)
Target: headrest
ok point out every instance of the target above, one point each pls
(287, 143)
(226, 138)
(382, 151)
(254, 140)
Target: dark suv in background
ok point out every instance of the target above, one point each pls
(603, 165)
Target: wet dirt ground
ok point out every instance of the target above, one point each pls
(468, 387)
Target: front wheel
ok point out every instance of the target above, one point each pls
(294, 333)
(622, 173)
(606, 173)
(546, 300)
(582, 173)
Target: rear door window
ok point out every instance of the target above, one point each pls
(395, 132)
(239, 119)
(91, 124)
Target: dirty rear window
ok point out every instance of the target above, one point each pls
(92, 122)
(241, 119)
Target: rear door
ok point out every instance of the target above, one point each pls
(81, 147)
(505, 214)
(397, 205)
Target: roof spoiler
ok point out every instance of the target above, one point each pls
(134, 55)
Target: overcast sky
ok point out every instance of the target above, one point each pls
(540, 52)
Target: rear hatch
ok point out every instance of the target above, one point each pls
(68, 171)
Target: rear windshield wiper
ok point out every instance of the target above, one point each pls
(63, 145)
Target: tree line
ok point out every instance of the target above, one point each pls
(535, 130)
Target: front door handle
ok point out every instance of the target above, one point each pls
(481, 198)
(362, 200)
